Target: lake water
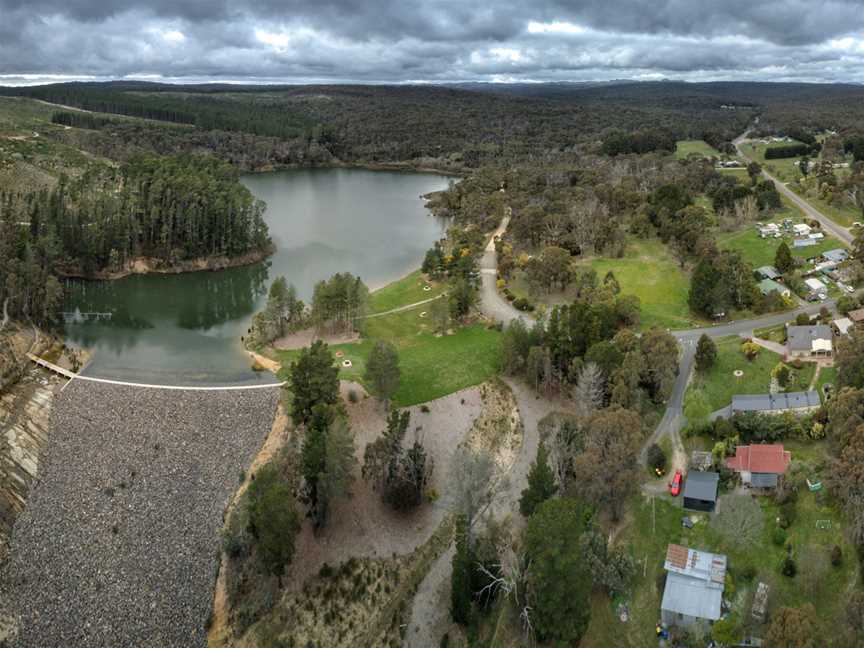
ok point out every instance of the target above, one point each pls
(185, 329)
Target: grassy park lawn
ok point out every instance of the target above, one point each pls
(408, 290)
(719, 383)
(685, 148)
(656, 523)
(648, 271)
(431, 366)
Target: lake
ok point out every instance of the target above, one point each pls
(185, 329)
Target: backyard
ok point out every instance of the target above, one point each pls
(719, 383)
(656, 522)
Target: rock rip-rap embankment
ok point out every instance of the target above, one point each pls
(119, 543)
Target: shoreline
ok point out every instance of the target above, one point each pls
(405, 167)
(149, 266)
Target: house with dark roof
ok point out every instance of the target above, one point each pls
(811, 341)
(794, 402)
(760, 466)
(768, 272)
(700, 491)
(695, 581)
(767, 286)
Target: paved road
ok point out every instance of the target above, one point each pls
(828, 225)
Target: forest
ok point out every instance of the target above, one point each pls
(167, 209)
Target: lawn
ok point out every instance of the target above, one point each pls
(649, 272)
(719, 383)
(656, 523)
(432, 366)
(408, 290)
(783, 169)
(685, 148)
(761, 251)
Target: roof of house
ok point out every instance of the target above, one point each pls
(761, 458)
(774, 402)
(802, 338)
(694, 582)
(769, 272)
(837, 255)
(801, 227)
(767, 286)
(763, 480)
(857, 315)
(803, 243)
(701, 486)
(814, 284)
(843, 324)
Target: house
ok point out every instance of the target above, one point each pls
(837, 255)
(768, 272)
(809, 341)
(842, 325)
(793, 402)
(700, 491)
(815, 286)
(760, 466)
(771, 230)
(767, 286)
(857, 316)
(801, 229)
(816, 236)
(800, 243)
(695, 581)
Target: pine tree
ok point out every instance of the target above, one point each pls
(706, 353)
(541, 483)
(314, 379)
(382, 371)
(783, 259)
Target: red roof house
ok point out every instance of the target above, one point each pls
(760, 465)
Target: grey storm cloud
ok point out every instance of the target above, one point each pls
(435, 40)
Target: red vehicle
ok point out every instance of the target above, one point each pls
(675, 484)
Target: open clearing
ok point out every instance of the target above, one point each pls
(686, 148)
(649, 272)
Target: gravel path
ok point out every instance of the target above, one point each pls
(118, 544)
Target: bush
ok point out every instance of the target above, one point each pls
(789, 568)
(778, 536)
(787, 514)
(523, 304)
(836, 555)
(656, 457)
(352, 396)
(747, 572)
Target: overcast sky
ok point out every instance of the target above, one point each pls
(432, 40)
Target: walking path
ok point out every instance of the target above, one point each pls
(73, 376)
(403, 308)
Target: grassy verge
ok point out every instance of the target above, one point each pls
(719, 383)
(843, 215)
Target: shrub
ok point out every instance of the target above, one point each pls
(656, 457)
(353, 397)
(836, 555)
(424, 409)
(523, 304)
(789, 568)
(787, 514)
(747, 572)
(778, 536)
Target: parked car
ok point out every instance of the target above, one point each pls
(675, 484)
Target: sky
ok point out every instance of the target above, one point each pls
(433, 41)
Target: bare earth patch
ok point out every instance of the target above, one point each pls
(306, 337)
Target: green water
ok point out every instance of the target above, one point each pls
(186, 329)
